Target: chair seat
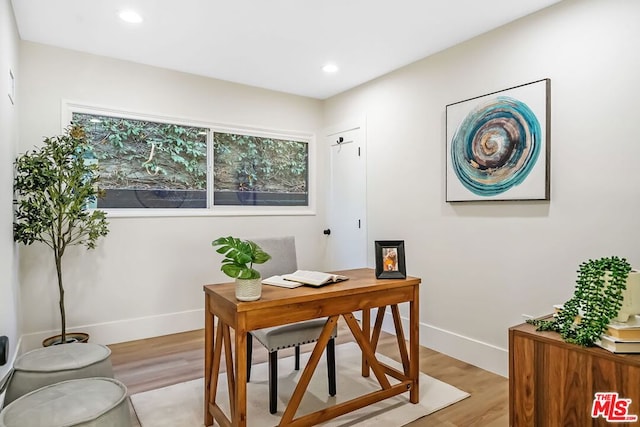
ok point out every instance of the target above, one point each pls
(281, 337)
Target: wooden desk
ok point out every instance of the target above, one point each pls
(553, 383)
(279, 306)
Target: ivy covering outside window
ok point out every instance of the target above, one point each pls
(152, 164)
(254, 170)
(144, 164)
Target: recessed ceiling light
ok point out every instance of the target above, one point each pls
(130, 16)
(330, 68)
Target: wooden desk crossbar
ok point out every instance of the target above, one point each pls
(282, 306)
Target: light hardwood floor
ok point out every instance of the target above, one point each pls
(158, 362)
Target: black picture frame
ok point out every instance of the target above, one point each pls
(390, 262)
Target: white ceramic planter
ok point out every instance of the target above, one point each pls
(631, 297)
(248, 289)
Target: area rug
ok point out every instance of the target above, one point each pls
(181, 405)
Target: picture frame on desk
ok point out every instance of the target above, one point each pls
(390, 263)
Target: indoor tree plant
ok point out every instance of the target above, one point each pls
(597, 299)
(53, 187)
(239, 257)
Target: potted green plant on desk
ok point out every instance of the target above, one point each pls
(239, 257)
(53, 186)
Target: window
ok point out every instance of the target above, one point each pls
(158, 164)
(263, 171)
(146, 164)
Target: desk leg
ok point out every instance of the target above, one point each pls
(366, 329)
(208, 359)
(228, 357)
(402, 344)
(309, 369)
(377, 327)
(414, 345)
(239, 417)
(365, 345)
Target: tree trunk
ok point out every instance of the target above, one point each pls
(61, 293)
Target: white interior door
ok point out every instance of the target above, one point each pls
(347, 209)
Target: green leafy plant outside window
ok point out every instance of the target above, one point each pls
(255, 163)
(150, 164)
(138, 154)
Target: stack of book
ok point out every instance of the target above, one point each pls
(622, 337)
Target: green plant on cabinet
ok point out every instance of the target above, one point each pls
(596, 300)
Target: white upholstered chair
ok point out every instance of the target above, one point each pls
(283, 260)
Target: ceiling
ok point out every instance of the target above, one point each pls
(274, 44)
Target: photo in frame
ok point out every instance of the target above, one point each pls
(390, 262)
(498, 145)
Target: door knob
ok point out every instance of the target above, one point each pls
(327, 231)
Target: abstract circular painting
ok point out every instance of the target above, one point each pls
(497, 148)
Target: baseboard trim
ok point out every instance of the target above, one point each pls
(483, 355)
(127, 329)
(469, 350)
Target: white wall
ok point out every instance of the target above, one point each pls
(145, 278)
(482, 264)
(9, 291)
(485, 264)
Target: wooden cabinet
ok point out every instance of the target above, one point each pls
(553, 383)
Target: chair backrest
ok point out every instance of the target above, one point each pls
(283, 255)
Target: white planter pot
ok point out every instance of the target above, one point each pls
(248, 289)
(630, 297)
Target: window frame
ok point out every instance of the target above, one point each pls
(70, 107)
